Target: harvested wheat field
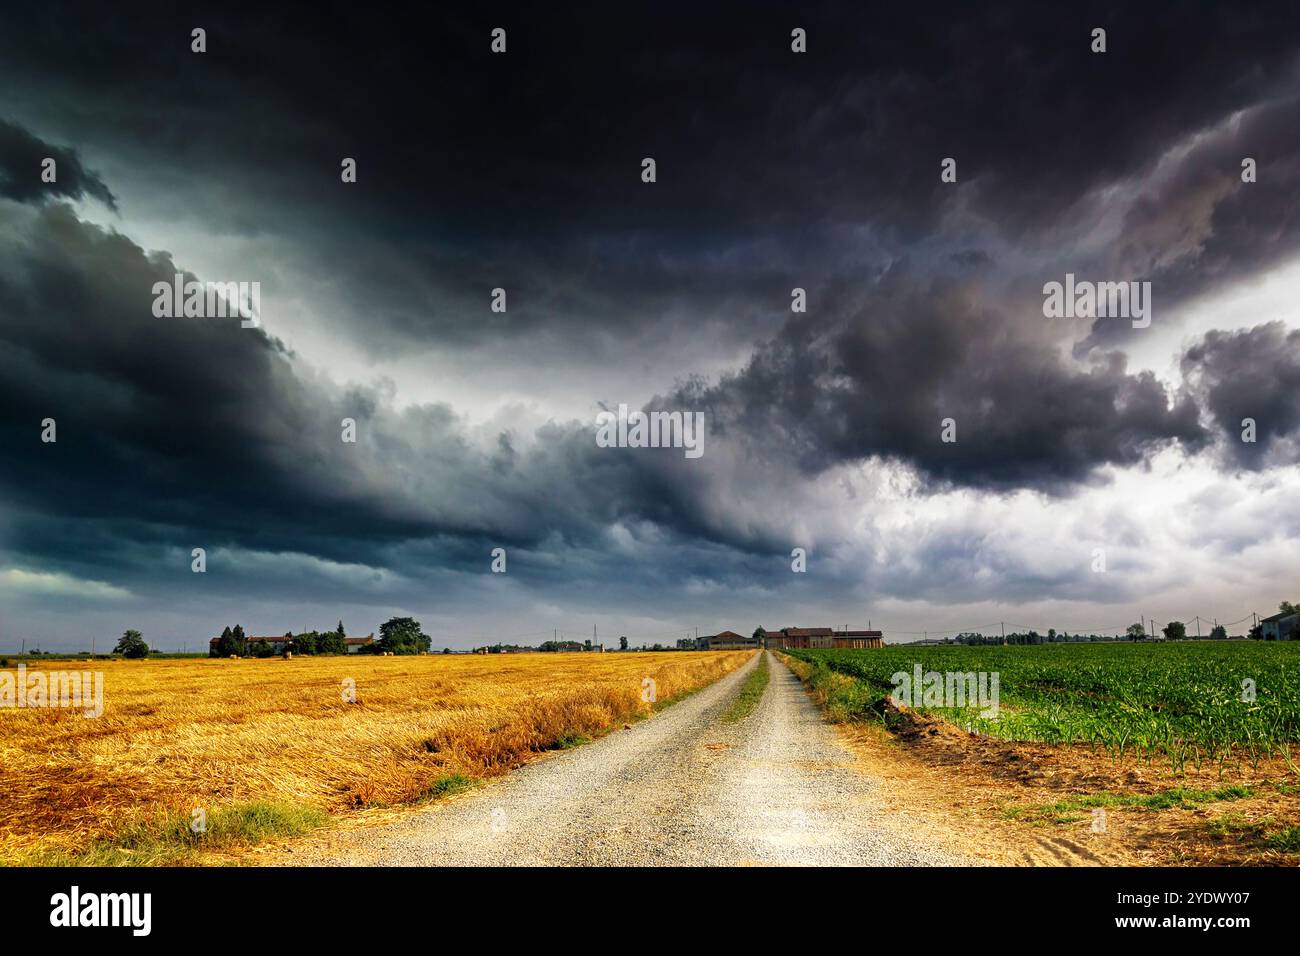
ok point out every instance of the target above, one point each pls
(266, 747)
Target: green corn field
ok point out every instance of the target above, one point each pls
(1191, 702)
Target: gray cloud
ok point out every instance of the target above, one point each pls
(21, 158)
(879, 381)
(1251, 374)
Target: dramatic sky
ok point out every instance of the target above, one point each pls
(522, 170)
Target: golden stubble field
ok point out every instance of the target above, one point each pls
(178, 735)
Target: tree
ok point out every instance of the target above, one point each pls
(132, 645)
(231, 642)
(225, 643)
(446, 650)
(332, 642)
(622, 643)
(1175, 631)
(1218, 633)
(402, 635)
(1286, 607)
(1136, 632)
(305, 644)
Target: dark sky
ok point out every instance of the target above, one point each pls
(522, 171)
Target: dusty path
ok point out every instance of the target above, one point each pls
(682, 788)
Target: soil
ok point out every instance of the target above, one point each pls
(993, 797)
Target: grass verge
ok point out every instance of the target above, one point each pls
(169, 839)
(750, 693)
(1177, 798)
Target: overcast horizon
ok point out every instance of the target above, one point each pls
(947, 454)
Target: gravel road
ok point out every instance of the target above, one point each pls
(682, 788)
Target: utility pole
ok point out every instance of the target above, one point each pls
(1198, 627)
(1004, 633)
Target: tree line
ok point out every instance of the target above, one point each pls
(397, 635)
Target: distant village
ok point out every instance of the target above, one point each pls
(404, 636)
(1283, 626)
(776, 638)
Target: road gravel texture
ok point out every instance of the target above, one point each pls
(682, 788)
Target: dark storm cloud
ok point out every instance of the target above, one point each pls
(183, 432)
(1200, 228)
(522, 170)
(21, 159)
(880, 381)
(1251, 374)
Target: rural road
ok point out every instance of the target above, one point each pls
(682, 788)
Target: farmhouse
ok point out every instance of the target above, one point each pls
(1280, 627)
(807, 637)
(858, 639)
(727, 641)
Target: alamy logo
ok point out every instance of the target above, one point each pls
(1098, 300)
(639, 429)
(949, 689)
(57, 689)
(103, 909)
(208, 300)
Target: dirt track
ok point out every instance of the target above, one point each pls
(682, 788)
